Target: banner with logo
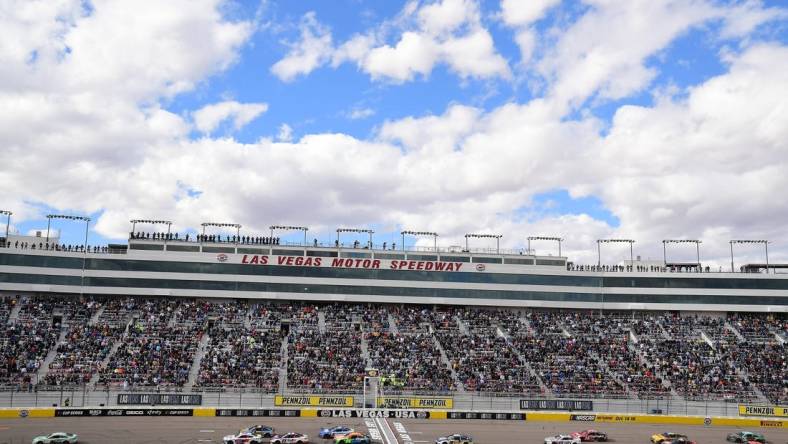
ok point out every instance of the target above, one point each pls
(65, 413)
(159, 399)
(259, 412)
(400, 402)
(556, 404)
(358, 413)
(486, 415)
(763, 410)
(313, 401)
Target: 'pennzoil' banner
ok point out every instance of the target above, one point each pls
(399, 402)
(313, 401)
(763, 410)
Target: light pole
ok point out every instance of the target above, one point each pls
(421, 233)
(7, 214)
(614, 241)
(751, 241)
(288, 228)
(84, 246)
(665, 242)
(355, 230)
(497, 238)
(134, 223)
(544, 238)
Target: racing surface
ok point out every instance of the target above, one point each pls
(127, 430)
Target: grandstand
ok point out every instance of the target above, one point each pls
(251, 315)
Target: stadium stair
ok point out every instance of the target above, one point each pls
(525, 363)
(14, 315)
(94, 319)
(283, 367)
(461, 325)
(194, 371)
(736, 332)
(321, 322)
(393, 325)
(445, 359)
(665, 381)
(44, 369)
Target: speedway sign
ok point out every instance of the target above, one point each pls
(366, 264)
(313, 401)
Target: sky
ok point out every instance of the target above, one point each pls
(584, 119)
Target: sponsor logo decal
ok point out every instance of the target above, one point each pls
(480, 267)
(23, 413)
(763, 410)
(771, 423)
(221, 257)
(582, 418)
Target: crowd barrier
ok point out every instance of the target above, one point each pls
(536, 416)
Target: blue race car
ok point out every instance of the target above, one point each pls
(329, 433)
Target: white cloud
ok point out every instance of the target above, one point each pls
(444, 32)
(517, 13)
(209, 117)
(285, 133)
(360, 113)
(313, 50)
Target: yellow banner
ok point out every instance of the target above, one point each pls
(763, 410)
(398, 402)
(313, 401)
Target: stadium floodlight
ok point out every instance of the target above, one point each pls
(222, 225)
(614, 241)
(497, 238)
(288, 228)
(751, 241)
(420, 233)
(545, 238)
(355, 230)
(665, 242)
(168, 223)
(68, 217)
(7, 214)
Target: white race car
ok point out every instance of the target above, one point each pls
(243, 438)
(56, 438)
(290, 438)
(562, 439)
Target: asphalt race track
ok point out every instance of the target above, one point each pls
(211, 430)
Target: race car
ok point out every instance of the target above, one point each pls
(667, 437)
(590, 435)
(746, 437)
(353, 438)
(290, 438)
(332, 432)
(562, 439)
(454, 439)
(262, 430)
(56, 438)
(244, 437)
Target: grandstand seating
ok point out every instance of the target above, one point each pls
(55, 341)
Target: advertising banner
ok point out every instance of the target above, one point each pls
(313, 401)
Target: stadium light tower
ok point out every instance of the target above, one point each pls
(751, 241)
(665, 242)
(288, 228)
(355, 230)
(65, 217)
(222, 225)
(7, 214)
(420, 233)
(497, 238)
(614, 241)
(134, 223)
(545, 238)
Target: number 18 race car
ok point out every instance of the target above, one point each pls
(56, 438)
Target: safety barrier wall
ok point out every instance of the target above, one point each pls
(448, 415)
(84, 397)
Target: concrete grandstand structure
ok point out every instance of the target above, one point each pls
(251, 318)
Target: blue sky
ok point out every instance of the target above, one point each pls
(233, 118)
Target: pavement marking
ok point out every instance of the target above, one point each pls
(374, 432)
(207, 431)
(388, 434)
(403, 433)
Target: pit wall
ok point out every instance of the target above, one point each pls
(448, 415)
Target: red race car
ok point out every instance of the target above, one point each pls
(590, 435)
